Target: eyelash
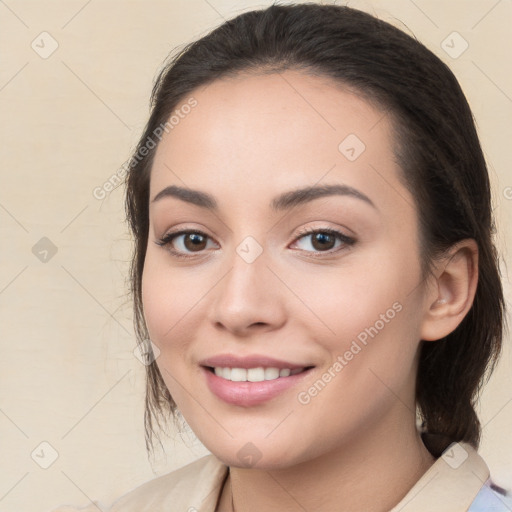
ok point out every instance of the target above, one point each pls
(167, 239)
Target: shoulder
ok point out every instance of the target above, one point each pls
(491, 498)
(184, 488)
(195, 486)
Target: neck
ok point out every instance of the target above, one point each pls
(371, 473)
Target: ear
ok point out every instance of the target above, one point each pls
(452, 291)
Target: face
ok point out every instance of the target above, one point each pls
(246, 280)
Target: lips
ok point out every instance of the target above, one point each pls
(245, 393)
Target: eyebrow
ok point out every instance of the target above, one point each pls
(284, 201)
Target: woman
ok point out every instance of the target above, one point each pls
(314, 267)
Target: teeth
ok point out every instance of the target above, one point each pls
(271, 373)
(238, 374)
(254, 374)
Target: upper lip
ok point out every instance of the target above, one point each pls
(251, 361)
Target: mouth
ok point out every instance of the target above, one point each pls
(251, 380)
(255, 374)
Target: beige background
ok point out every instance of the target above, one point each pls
(68, 375)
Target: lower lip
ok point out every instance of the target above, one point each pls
(246, 394)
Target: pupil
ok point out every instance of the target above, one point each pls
(196, 240)
(322, 238)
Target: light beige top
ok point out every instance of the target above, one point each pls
(449, 485)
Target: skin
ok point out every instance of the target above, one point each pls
(354, 446)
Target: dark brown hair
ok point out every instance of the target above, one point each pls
(437, 148)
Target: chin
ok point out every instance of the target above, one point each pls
(257, 455)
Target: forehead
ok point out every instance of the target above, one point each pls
(263, 132)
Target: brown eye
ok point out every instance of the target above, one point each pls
(194, 241)
(184, 243)
(324, 240)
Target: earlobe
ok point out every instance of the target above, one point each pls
(452, 293)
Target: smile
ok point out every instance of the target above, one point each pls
(234, 386)
(258, 374)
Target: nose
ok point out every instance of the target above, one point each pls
(249, 298)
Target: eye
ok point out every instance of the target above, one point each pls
(187, 240)
(322, 239)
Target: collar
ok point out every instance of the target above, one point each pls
(449, 485)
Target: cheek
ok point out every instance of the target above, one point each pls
(167, 298)
(366, 315)
(367, 291)
(157, 303)
(168, 305)
(370, 369)
(374, 328)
